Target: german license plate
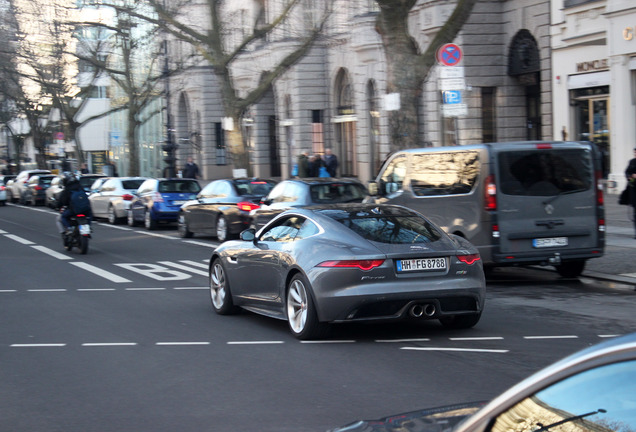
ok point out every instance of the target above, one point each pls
(178, 202)
(550, 242)
(421, 264)
(85, 229)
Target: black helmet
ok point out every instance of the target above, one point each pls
(69, 177)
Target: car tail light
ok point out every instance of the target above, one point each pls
(490, 199)
(361, 264)
(127, 197)
(157, 197)
(247, 206)
(38, 188)
(469, 259)
(2, 188)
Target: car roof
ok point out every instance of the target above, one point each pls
(611, 351)
(324, 180)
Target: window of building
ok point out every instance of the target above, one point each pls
(488, 114)
(317, 132)
(219, 134)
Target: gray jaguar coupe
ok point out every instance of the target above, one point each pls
(349, 262)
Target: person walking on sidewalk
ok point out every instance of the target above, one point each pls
(630, 173)
(190, 170)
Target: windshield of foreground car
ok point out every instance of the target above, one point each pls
(400, 228)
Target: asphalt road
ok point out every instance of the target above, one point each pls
(124, 339)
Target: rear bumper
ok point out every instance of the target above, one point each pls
(552, 257)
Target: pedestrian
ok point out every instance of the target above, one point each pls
(190, 170)
(630, 173)
(84, 169)
(331, 162)
(303, 162)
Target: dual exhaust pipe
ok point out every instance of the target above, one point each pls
(420, 310)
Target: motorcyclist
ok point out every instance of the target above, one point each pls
(71, 184)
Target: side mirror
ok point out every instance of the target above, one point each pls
(248, 235)
(372, 187)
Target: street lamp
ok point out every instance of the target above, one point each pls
(169, 147)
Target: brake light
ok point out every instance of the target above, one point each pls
(2, 188)
(80, 215)
(38, 188)
(469, 259)
(258, 182)
(127, 197)
(599, 188)
(544, 146)
(247, 206)
(157, 197)
(361, 264)
(490, 199)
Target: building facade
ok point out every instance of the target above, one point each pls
(594, 74)
(336, 96)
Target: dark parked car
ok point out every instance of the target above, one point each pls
(349, 262)
(590, 391)
(35, 190)
(159, 200)
(305, 192)
(222, 208)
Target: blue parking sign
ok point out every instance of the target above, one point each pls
(452, 96)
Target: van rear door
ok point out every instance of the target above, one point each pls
(548, 202)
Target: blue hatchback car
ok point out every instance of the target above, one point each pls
(159, 200)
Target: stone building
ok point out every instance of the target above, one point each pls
(336, 95)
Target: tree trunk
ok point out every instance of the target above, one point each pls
(133, 147)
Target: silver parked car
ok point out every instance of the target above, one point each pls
(112, 200)
(349, 262)
(592, 390)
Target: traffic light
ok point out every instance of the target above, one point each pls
(169, 148)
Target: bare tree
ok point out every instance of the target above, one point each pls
(408, 65)
(222, 39)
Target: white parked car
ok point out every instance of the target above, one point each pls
(3, 193)
(112, 200)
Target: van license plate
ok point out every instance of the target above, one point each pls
(550, 242)
(421, 264)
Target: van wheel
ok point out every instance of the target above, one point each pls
(571, 269)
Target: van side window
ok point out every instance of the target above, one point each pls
(545, 172)
(450, 173)
(393, 176)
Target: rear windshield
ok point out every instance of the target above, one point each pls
(45, 180)
(254, 187)
(86, 182)
(132, 184)
(175, 186)
(387, 226)
(545, 172)
(337, 193)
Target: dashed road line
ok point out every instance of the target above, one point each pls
(41, 345)
(19, 239)
(52, 253)
(454, 349)
(145, 289)
(552, 337)
(194, 242)
(254, 342)
(109, 344)
(47, 290)
(402, 340)
(327, 341)
(476, 338)
(181, 343)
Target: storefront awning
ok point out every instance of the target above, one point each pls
(596, 79)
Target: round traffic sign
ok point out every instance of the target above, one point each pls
(449, 54)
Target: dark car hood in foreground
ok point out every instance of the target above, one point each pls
(441, 419)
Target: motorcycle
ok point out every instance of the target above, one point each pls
(80, 234)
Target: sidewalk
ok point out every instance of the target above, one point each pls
(619, 261)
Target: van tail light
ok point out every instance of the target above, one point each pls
(156, 197)
(495, 231)
(490, 199)
(600, 200)
(469, 259)
(361, 264)
(127, 197)
(247, 206)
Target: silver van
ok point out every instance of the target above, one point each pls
(520, 203)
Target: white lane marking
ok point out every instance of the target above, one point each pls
(47, 290)
(454, 349)
(254, 342)
(552, 337)
(3, 232)
(203, 265)
(115, 226)
(194, 242)
(189, 288)
(19, 239)
(95, 289)
(181, 343)
(153, 234)
(183, 267)
(476, 338)
(608, 336)
(100, 272)
(327, 341)
(109, 344)
(37, 345)
(8, 291)
(402, 340)
(52, 253)
(145, 289)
